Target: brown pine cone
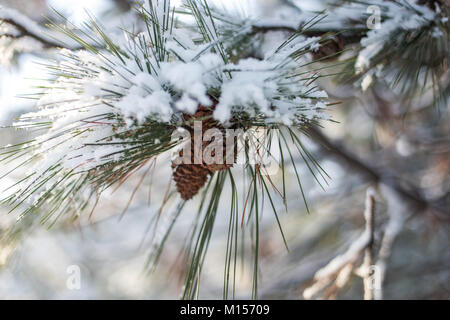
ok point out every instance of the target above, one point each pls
(329, 49)
(190, 178)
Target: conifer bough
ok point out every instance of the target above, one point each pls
(111, 110)
(114, 106)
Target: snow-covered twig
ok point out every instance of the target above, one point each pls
(338, 271)
(25, 27)
(397, 217)
(365, 270)
(340, 268)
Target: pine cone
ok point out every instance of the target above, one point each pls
(190, 178)
(329, 49)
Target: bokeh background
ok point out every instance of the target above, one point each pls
(400, 150)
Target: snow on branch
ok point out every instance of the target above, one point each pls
(397, 217)
(337, 272)
(22, 26)
(107, 95)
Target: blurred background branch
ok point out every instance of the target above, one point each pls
(379, 175)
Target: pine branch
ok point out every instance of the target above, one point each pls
(26, 28)
(373, 174)
(350, 36)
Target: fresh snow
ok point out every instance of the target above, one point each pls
(95, 89)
